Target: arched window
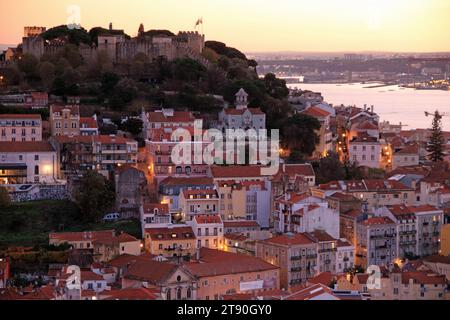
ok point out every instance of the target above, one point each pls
(188, 170)
(189, 293)
(179, 170)
(179, 292)
(169, 295)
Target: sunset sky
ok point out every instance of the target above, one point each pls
(257, 25)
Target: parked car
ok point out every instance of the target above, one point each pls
(111, 217)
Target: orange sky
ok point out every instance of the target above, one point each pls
(257, 25)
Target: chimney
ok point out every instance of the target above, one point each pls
(372, 108)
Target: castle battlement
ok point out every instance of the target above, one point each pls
(185, 43)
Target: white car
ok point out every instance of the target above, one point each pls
(111, 217)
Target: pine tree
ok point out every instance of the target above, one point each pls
(436, 142)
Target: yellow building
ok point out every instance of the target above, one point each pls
(445, 240)
(170, 241)
(64, 120)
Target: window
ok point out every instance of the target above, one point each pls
(189, 293)
(36, 157)
(36, 170)
(179, 294)
(168, 295)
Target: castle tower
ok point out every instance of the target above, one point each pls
(110, 26)
(241, 99)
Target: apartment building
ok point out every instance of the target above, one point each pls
(28, 162)
(325, 145)
(162, 143)
(20, 127)
(376, 242)
(170, 241)
(345, 256)
(104, 153)
(221, 273)
(295, 254)
(166, 118)
(197, 202)
(326, 251)
(209, 231)
(293, 178)
(304, 213)
(374, 193)
(247, 200)
(171, 188)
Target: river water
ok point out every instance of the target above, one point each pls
(392, 103)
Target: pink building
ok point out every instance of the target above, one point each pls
(160, 147)
(20, 127)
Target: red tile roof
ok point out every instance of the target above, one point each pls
(28, 146)
(21, 116)
(235, 171)
(173, 181)
(312, 292)
(90, 276)
(423, 277)
(320, 236)
(134, 294)
(324, 278)
(290, 240)
(149, 208)
(316, 112)
(74, 110)
(150, 271)
(215, 263)
(90, 123)
(94, 139)
(377, 221)
(178, 116)
(200, 194)
(240, 224)
(207, 219)
(171, 234)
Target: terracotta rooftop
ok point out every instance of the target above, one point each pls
(82, 236)
(28, 146)
(150, 271)
(316, 112)
(21, 116)
(215, 263)
(235, 171)
(377, 221)
(207, 219)
(171, 234)
(320, 236)
(162, 209)
(178, 116)
(240, 224)
(134, 294)
(173, 181)
(311, 292)
(89, 123)
(290, 240)
(423, 277)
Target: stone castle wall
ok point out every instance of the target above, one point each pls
(190, 44)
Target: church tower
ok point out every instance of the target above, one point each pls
(241, 99)
(141, 30)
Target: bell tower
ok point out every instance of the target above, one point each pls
(241, 99)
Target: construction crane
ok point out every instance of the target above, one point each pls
(440, 115)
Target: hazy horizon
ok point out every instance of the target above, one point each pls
(255, 26)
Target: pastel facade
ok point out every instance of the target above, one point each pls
(28, 162)
(20, 127)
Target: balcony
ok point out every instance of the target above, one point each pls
(311, 256)
(296, 258)
(296, 269)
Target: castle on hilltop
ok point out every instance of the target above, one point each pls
(121, 49)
